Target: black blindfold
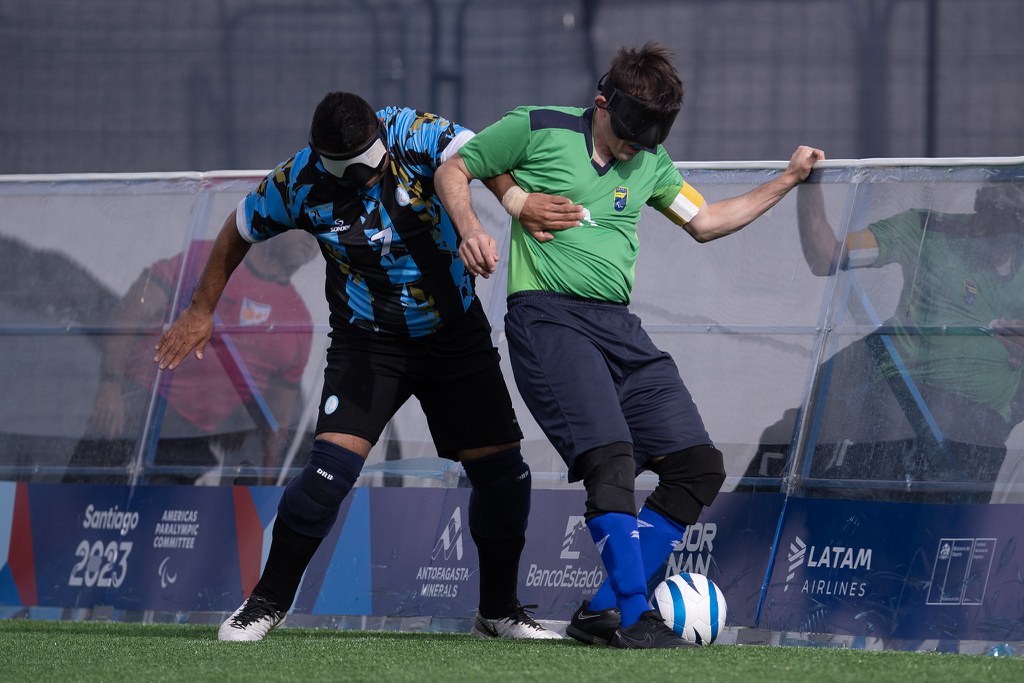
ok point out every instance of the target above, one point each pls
(632, 120)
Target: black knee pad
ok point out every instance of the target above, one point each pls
(688, 481)
(311, 500)
(499, 505)
(609, 475)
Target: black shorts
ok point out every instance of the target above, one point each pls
(454, 373)
(591, 376)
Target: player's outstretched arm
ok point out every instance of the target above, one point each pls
(193, 328)
(729, 215)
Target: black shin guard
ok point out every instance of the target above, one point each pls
(499, 574)
(305, 515)
(499, 508)
(688, 481)
(609, 475)
(290, 554)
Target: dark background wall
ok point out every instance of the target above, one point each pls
(145, 85)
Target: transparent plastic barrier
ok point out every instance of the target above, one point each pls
(778, 359)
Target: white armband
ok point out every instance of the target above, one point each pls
(685, 206)
(859, 258)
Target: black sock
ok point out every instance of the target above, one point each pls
(290, 554)
(499, 574)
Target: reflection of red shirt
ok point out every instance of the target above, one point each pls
(208, 391)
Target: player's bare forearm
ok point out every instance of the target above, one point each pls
(227, 252)
(817, 240)
(537, 212)
(725, 217)
(478, 250)
(193, 328)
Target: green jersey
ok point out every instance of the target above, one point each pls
(949, 280)
(551, 150)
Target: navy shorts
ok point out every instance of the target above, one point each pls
(454, 373)
(591, 376)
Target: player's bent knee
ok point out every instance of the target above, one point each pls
(609, 476)
(311, 500)
(688, 481)
(499, 505)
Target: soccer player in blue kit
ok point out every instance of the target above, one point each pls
(405, 321)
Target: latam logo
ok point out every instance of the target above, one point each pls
(829, 556)
(450, 540)
(797, 553)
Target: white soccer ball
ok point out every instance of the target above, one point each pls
(693, 606)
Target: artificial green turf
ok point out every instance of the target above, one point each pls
(90, 651)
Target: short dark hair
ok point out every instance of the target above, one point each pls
(342, 121)
(1000, 196)
(1001, 206)
(649, 75)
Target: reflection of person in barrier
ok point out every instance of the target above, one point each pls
(209, 411)
(928, 400)
(606, 397)
(44, 288)
(404, 322)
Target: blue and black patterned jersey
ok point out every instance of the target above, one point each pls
(393, 263)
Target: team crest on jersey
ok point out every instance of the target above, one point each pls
(970, 291)
(621, 197)
(402, 196)
(253, 312)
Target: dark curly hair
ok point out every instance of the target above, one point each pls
(342, 121)
(648, 74)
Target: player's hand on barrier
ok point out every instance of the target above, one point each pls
(192, 330)
(542, 213)
(479, 252)
(1010, 334)
(802, 161)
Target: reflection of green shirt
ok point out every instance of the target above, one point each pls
(549, 150)
(948, 280)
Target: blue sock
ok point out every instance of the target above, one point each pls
(617, 539)
(658, 536)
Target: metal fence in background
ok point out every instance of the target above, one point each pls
(137, 85)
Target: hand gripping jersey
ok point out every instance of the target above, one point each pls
(392, 252)
(551, 150)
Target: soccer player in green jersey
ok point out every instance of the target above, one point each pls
(939, 387)
(606, 397)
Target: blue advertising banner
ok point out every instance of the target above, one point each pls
(889, 570)
(731, 545)
(560, 566)
(338, 579)
(156, 547)
(423, 558)
(898, 570)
